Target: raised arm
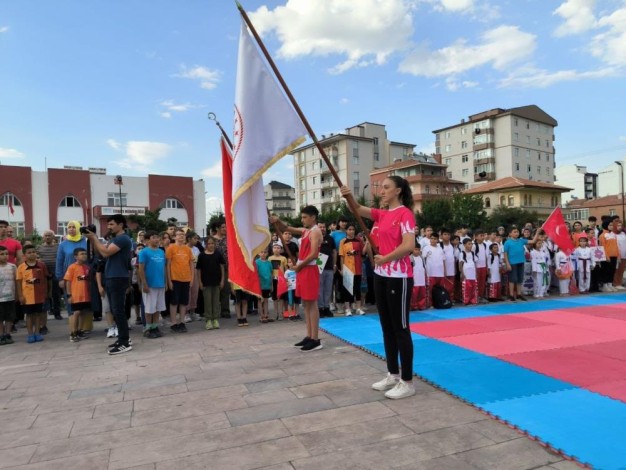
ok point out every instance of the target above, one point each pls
(363, 211)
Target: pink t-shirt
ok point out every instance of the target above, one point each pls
(390, 226)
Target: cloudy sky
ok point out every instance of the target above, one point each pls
(128, 85)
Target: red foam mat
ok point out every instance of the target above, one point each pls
(615, 389)
(613, 349)
(444, 329)
(582, 368)
(573, 317)
(501, 342)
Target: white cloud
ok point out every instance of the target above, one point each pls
(578, 16)
(170, 106)
(530, 77)
(208, 78)
(454, 84)
(10, 153)
(457, 5)
(214, 204)
(344, 101)
(610, 46)
(501, 47)
(622, 138)
(365, 35)
(143, 155)
(214, 171)
(4, 29)
(114, 144)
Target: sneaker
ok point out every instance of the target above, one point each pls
(360, 311)
(348, 313)
(58, 317)
(146, 333)
(120, 349)
(511, 298)
(3, 341)
(401, 390)
(182, 328)
(157, 332)
(74, 338)
(152, 334)
(111, 333)
(38, 338)
(208, 325)
(8, 339)
(239, 322)
(312, 345)
(522, 298)
(187, 319)
(619, 287)
(387, 383)
(82, 334)
(193, 316)
(138, 321)
(329, 314)
(303, 342)
(117, 343)
(244, 322)
(175, 328)
(216, 325)
(43, 330)
(31, 339)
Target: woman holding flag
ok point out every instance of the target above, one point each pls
(393, 281)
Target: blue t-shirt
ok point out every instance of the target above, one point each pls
(264, 268)
(514, 249)
(153, 261)
(118, 265)
(338, 235)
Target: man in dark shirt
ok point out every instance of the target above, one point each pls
(116, 272)
(329, 249)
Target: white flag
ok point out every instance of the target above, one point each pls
(266, 129)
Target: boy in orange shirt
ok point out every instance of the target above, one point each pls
(32, 290)
(180, 272)
(77, 284)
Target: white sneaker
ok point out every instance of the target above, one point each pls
(111, 332)
(348, 313)
(401, 390)
(619, 287)
(388, 382)
(187, 318)
(360, 311)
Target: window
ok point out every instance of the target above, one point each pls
(314, 194)
(538, 170)
(448, 147)
(447, 161)
(464, 159)
(113, 199)
(464, 131)
(449, 174)
(502, 200)
(487, 153)
(427, 189)
(69, 201)
(302, 170)
(171, 203)
(313, 165)
(517, 167)
(376, 157)
(515, 152)
(515, 122)
(355, 159)
(314, 180)
(547, 170)
(525, 200)
(19, 229)
(464, 172)
(538, 142)
(447, 134)
(515, 137)
(538, 155)
(437, 189)
(529, 170)
(511, 201)
(547, 144)
(6, 197)
(527, 153)
(527, 125)
(375, 141)
(355, 181)
(528, 139)
(487, 203)
(612, 212)
(464, 144)
(547, 157)
(355, 148)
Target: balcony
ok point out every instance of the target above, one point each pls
(487, 145)
(489, 176)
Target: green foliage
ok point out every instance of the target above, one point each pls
(468, 209)
(436, 213)
(35, 238)
(507, 216)
(149, 221)
(214, 218)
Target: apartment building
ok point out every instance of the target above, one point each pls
(353, 154)
(583, 183)
(494, 144)
(280, 199)
(426, 176)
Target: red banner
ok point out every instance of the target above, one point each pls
(556, 229)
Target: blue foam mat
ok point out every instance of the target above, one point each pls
(580, 423)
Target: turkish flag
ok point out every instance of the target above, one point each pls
(239, 272)
(11, 210)
(556, 229)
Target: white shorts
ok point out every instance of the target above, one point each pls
(154, 301)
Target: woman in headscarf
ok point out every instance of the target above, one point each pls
(65, 254)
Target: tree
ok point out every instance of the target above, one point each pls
(149, 221)
(507, 216)
(436, 213)
(468, 209)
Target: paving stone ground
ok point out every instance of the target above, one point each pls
(236, 398)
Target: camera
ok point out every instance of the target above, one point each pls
(89, 228)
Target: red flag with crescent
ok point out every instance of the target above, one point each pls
(11, 209)
(556, 229)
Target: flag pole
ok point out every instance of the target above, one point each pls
(279, 232)
(350, 199)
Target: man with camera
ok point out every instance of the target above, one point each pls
(116, 272)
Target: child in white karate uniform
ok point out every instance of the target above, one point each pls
(563, 270)
(541, 273)
(585, 265)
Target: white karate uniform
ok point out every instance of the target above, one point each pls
(583, 269)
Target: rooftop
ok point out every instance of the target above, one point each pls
(512, 182)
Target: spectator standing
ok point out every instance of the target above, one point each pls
(13, 247)
(32, 279)
(329, 249)
(211, 274)
(8, 295)
(48, 254)
(222, 247)
(180, 273)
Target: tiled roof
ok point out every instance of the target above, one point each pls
(512, 182)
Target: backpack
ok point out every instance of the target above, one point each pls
(441, 298)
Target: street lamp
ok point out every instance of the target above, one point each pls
(621, 172)
(119, 181)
